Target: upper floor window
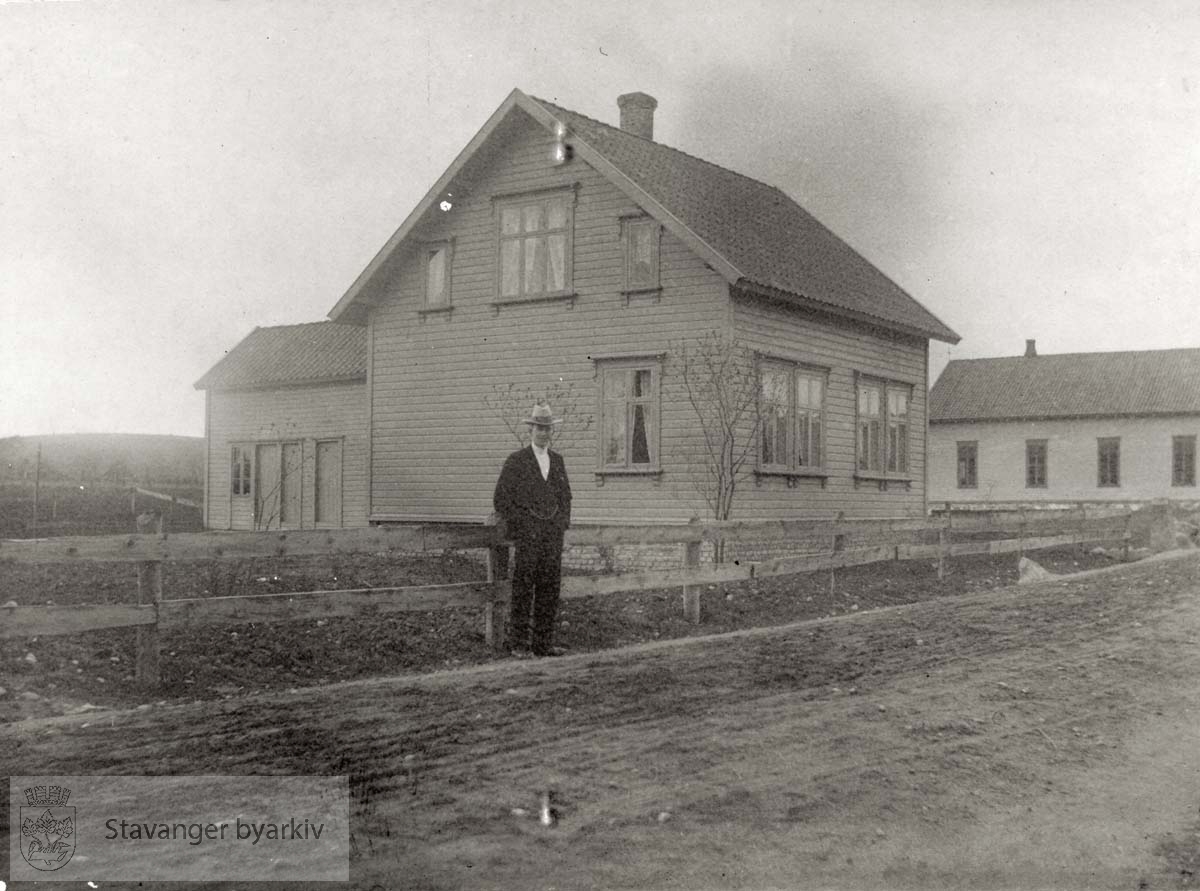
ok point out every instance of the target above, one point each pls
(437, 276)
(629, 414)
(641, 239)
(1183, 461)
(1108, 456)
(792, 417)
(883, 427)
(1036, 474)
(968, 465)
(535, 246)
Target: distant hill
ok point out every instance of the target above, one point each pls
(120, 458)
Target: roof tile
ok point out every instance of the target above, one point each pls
(291, 354)
(767, 236)
(1068, 385)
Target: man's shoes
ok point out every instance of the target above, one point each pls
(520, 653)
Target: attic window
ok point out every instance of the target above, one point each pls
(437, 275)
(641, 238)
(534, 253)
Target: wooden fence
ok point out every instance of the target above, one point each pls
(879, 540)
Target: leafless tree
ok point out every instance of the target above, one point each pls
(718, 375)
(511, 404)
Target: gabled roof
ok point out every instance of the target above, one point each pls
(288, 355)
(1069, 385)
(751, 233)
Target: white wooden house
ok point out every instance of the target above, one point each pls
(561, 253)
(1091, 427)
(285, 430)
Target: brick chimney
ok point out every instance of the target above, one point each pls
(1030, 349)
(637, 114)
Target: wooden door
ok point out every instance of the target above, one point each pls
(266, 486)
(290, 485)
(328, 507)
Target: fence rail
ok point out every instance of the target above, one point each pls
(883, 540)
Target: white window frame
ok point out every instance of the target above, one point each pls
(429, 303)
(630, 227)
(518, 203)
(1045, 446)
(606, 367)
(1103, 442)
(241, 481)
(795, 372)
(878, 454)
(1183, 472)
(973, 446)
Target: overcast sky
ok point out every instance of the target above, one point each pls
(175, 174)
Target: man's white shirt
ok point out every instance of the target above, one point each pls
(543, 460)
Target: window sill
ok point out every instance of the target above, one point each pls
(883, 480)
(654, 473)
(568, 296)
(630, 293)
(434, 310)
(793, 477)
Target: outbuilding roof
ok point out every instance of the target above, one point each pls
(753, 234)
(1068, 385)
(288, 355)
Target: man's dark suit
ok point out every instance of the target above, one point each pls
(536, 512)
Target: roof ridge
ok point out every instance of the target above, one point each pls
(1080, 353)
(671, 148)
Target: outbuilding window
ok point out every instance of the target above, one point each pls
(1036, 474)
(240, 470)
(1108, 456)
(968, 464)
(1183, 461)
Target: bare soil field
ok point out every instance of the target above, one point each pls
(52, 675)
(1045, 736)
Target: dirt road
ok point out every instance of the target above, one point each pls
(1041, 737)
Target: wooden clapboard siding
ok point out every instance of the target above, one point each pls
(843, 348)
(436, 450)
(288, 414)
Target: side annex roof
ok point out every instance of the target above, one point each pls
(291, 355)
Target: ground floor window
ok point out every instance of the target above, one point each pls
(1183, 461)
(792, 417)
(883, 427)
(1108, 457)
(629, 414)
(968, 458)
(1036, 473)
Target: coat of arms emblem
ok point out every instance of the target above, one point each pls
(47, 827)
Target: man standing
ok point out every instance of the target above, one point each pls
(533, 497)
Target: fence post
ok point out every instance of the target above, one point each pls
(150, 590)
(1126, 535)
(1021, 537)
(691, 593)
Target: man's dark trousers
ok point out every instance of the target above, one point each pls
(535, 587)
